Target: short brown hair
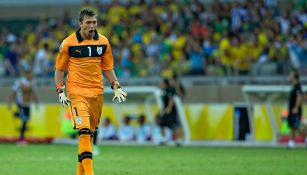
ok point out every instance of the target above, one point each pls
(86, 12)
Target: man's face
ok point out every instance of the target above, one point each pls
(88, 26)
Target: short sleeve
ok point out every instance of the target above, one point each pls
(62, 57)
(107, 58)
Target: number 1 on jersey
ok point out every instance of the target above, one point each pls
(89, 51)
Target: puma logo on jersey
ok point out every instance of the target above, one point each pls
(78, 51)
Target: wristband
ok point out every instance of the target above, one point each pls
(115, 85)
(59, 88)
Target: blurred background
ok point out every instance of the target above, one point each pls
(232, 58)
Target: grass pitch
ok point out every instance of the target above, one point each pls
(154, 160)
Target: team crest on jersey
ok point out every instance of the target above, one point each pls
(79, 120)
(99, 50)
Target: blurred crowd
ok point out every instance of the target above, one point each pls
(134, 129)
(187, 37)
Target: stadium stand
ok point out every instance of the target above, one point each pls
(186, 37)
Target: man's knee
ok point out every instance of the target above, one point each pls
(85, 131)
(85, 155)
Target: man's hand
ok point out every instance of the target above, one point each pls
(119, 93)
(62, 97)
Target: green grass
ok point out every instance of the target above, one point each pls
(154, 160)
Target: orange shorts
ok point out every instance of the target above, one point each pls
(86, 111)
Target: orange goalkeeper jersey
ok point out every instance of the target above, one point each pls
(84, 61)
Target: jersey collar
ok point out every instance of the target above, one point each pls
(80, 39)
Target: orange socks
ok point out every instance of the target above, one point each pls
(88, 166)
(80, 169)
(85, 155)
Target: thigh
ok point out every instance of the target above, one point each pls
(166, 121)
(297, 121)
(24, 113)
(294, 121)
(174, 121)
(95, 111)
(79, 108)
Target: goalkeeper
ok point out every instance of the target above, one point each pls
(84, 54)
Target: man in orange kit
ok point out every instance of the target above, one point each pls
(84, 54)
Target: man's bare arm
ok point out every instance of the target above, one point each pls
(110, 75)
(58, 77)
